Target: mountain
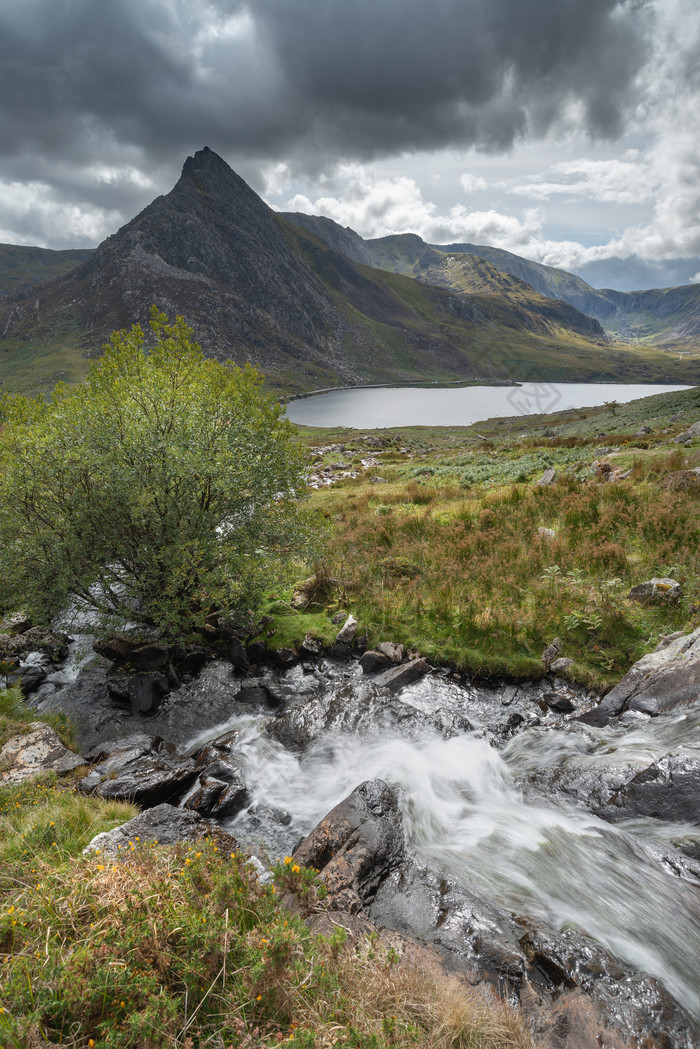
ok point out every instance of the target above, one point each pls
(23, 267)
(667, 317)
(299, 301)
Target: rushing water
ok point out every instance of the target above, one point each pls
(469, 811)
(380, 407)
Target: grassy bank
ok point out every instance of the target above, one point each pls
(181, 946)
(446, 555)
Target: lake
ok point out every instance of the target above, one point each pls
(381, 407)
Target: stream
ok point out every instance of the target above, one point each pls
(490, 807)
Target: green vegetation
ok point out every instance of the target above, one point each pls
(181, 946)
(164, 486)
(486, 591)
(22, 267)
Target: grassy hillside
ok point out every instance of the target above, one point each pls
(446, 556)
(23, 267)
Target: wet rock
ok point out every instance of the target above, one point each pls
(257, 691)
(339, 618)
(139, 768)
(192, 660)
(257, 652)
(347, 631)
(141, 692)
(356, 845)
(29, 679)
(667, 790)
(34, 753)
(548, 477)
(217, 799)
(238, 654)
(286, 657)
(559, 701)
(340, 650)
(163, 824)
(560, 979)
(392, 650)
(373, 661)
(360, 709)
(399, 677)
(661, 681)
(662, 591)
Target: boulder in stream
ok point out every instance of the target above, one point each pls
(164, 825)
(667, 790)
(139, 768)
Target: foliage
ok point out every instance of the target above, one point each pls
(489, 592)
(164, 485)
(183, 947)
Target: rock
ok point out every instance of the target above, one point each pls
(311, 647)
(35, 639)
(602, 470)
(667, 790)
(548, 477)
(257, 652)
(238, 654)
(340, 650)
(661, 591)
(559, 701)
(15, 623)
(142, 692)
(360, 645)
(256, 690)
(29, 679)
(547, 533)
(34, 753)
(347, 631)
(358, 708)
(561, 664)
(139, 768)
(374, 661)
(192, 660)
(657, 683)
(356, 845)
(378, 480)
(217, 799)
(163, 824)
(682, 480)
(286, 657)
(399, 677)
(551, 652)
(392, 650)
(689, 434)
(339, 618)
(643, 430)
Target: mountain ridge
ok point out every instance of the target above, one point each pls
(259, 288)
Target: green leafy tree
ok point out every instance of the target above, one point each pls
(163, 486)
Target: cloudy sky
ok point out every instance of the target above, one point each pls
(567, 131)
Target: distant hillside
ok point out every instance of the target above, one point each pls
(668, 317)
(21, 268)
(302, 304)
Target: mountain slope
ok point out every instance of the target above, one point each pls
(257, 287)
(23, 267)
(668, 317)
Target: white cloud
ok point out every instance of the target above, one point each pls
(626, 181)
(473, 183)
(30, 214)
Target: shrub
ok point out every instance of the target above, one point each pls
(166, 484)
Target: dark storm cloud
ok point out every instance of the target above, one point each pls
(142, 83)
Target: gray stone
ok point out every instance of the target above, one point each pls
(311, 646)
(657, 683)
(15, 623)
(139, 768)
(356, 845)
(657, 591)
(377, 480)
(34, 753)
(142, 692)
(689, 434)
(165, 825)
(347, 631)
(561, 664)
(546, 533)
(392, 650)
(374, 661)
(406, 674)
(548, 477)
(551, 652)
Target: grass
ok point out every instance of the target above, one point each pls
(446, 557)
(182, 947)
(16, 716)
